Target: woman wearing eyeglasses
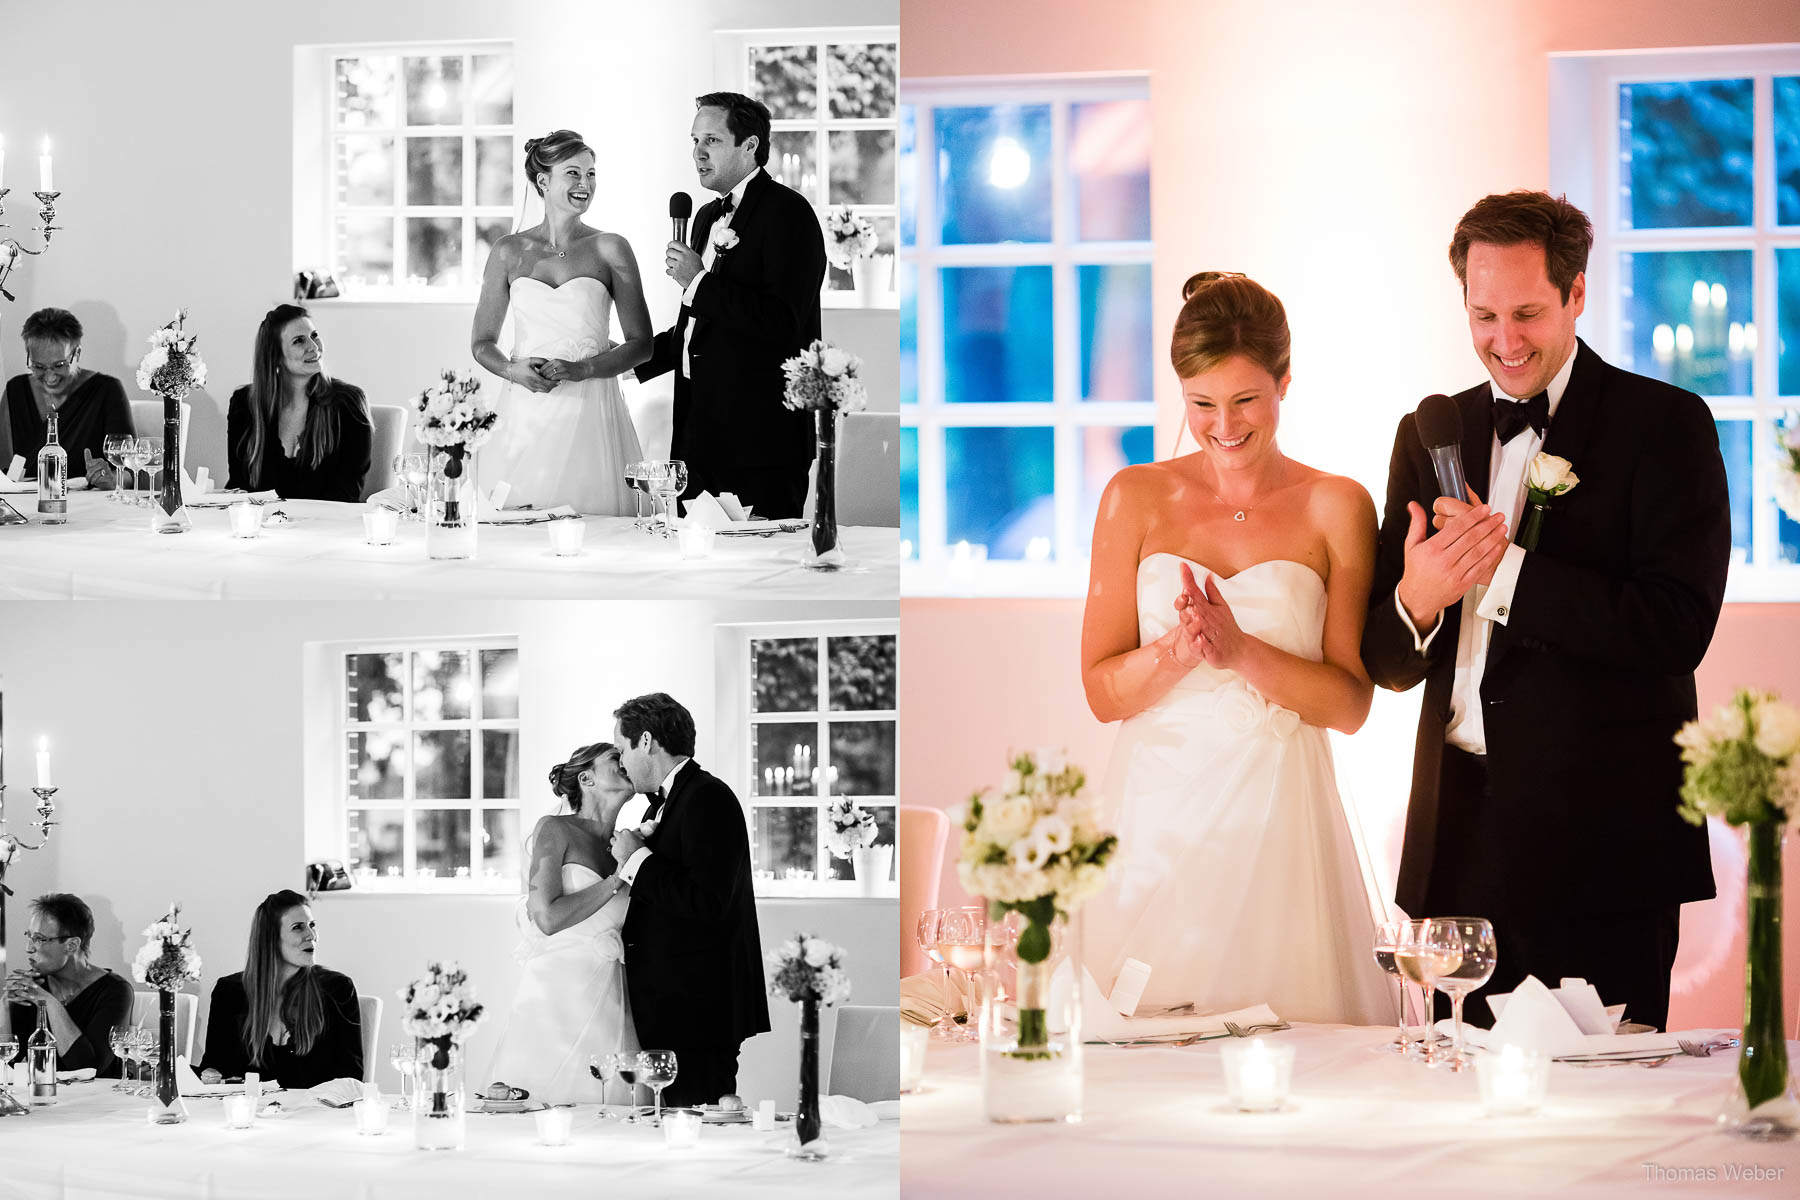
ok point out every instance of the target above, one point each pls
(83, 1002)
(89, 406)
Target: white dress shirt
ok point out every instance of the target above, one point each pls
(629, 871)
(709, 254)
(1493, 603)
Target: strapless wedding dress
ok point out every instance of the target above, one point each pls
(1239, 879)
(568, 445)
(571, 1004)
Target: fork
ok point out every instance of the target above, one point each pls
(1241, 1031)
(1704, 1049)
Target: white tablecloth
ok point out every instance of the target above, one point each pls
(95, 1144)
(1360, 1123)
(106, 551)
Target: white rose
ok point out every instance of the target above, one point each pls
(1239, 710)
(1054, 831)
(1029, 853)
(833, 361)
(818, 952)
(1777, 728)
(1727, 724)
(1695, 743)
(1052, 762)
(1551, 474)
(1007, 820)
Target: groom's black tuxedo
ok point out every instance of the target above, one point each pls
(757, 307)
(693, 956)
(1565, 832)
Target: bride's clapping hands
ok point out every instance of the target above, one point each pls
(1206, 616)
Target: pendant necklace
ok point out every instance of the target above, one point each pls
(1241, 513)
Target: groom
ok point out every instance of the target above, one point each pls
(749, 281)
(693, 956)
(1545, 777)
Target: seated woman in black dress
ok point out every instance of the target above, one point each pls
(89, 406)
(295, 429)
(281, 1016)
(82, 1002)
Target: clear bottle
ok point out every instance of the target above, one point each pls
(40, 1053)
(53, 478)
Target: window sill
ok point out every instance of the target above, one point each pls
(397, 300)
(1763, 585)
(813, 891)
(509, 891)
(850, 300)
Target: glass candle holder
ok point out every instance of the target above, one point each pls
(681, 1128)
(1512, 1081)
(240, 1112)
(371, 1117)
(566, 536)
(246, 519)
(763, 1119)
(696, 539)
(1257, 1074)
(554, 1125)
(380, 525)
(913, 1040)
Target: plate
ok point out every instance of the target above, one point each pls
(712, 1114)
(507, 1106)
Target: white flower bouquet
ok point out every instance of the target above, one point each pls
(807, 967)
(823, 376)
(168, 958)
(440, 1005)
(453, 414)
(851, 827)
(172, 368)
(848, 236)
(1787, 466)
(1743, 761)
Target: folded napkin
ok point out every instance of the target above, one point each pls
(929, 997)
(526, 516)
(81, 1076)
(29, 486)
(846, 1112)
(337, 1093)
(1533, 1017)
(187, 1083)
(715, 512)
(1101, 1022)
(227, 499)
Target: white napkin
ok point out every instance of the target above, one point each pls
(931, 995)
(393, 497)
(846, 1112)
(1535, 1018)
(227, 499)
(187, 1083)
(15, 470)
(707, 511)
(1101, 1022)
(16, 487)
(79, 1076)
(337, 1093)
(525, 516)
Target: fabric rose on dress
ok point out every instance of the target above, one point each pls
(1283, 722)
(1239, 709)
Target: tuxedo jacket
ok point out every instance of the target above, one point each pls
(693, 955)
(1593, 673)
(757, 307)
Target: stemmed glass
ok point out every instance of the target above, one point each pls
(132, 459)
(623, 1064)
(961, 945)
(150, 458)
(414, 472)
(1423, 952)
(669, 484)
(640, 484)
(114, 448)
(1387, 942)
(1476, 955)
(144, 1041)
(404, 1057)
(120, 1039)
(658, 1069)
(9, 1050)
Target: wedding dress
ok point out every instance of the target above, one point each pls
(1239, 879)
(568, 445)
(571, 1004)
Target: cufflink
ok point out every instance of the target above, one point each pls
(1501, 611)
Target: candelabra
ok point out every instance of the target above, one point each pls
(10, 249)
(10, 846)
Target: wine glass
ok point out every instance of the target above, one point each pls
(927, 938)
(670, 484)
(415, 472)
(150, 455)
(404, 1057)
(114, 448)
(961, 947)
(1423, 952)
(634, 476)
(120, 1041)
(9, 1050)
(623, 1064)
(1476, 956)
(1387, 941)
(658, 1070)
(131, 459)
(145, 1040)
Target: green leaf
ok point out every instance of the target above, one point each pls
(1034, 943)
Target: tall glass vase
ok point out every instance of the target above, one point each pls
(166, 1107)
(168, 512)
(1763, 1106)
(809, 1125)
(825, 552)
(451, 502)
(1031, 1058)
(439, 1120)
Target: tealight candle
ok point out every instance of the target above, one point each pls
(681, 1128)
(380, 525)
(1512, 1082)
(566, 536)
(1257, 1074)
(246, 519)
(696, 539)
(253, 1088)
(554, 1124)
(240, 1112)
(763, 1119)
(371, 1117)
(913, 1040)
(43, 762)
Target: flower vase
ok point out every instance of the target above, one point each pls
(872, 865)
(166, 1107)
(809, 1125)
(451, 503)
(871, 277)
(1031, 1068)
(439, 1122)
(826, 556)
(168, 512)
(1762, 1106)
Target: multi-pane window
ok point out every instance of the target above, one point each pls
(430, 784)
(832, 100)
(1696, 268)
(822, 723)
(1027, 357)
(422, 167)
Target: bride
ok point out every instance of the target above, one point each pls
(571, 1003)
(1241, 881)
(564, 434)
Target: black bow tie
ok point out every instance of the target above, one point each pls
(1510, 416)
(656, 802)
(725, 205)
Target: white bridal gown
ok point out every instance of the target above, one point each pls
(571, 1004)
(1239, 880)
(568, 445)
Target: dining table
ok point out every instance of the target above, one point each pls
(1359, 1121)
(316, 549)
(97, 1144)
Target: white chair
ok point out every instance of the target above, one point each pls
(147, 421)
(865, 1053)
(146, 1010)
(869, 469)
(371, 1032)
(388, 433)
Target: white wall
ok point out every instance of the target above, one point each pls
(172, 133)
(185, 782)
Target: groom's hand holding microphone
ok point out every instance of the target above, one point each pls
(1471, 539)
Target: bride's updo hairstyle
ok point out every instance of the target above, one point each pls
(542, 153)
(565, 778)
(1225, 315)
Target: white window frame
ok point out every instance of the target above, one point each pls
(316, 207)
(732, 68)
(933, 568)
(736, 745)
(408, 802)
(1586, 162)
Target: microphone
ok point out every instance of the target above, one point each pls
(681, 207)
(1440, 432)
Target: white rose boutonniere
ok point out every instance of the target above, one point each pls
(1547, 477)
(723, 238)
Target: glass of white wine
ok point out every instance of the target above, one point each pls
(961, 947)
(120, 1039)
(404, 1057)
(1423, 952)
(1387, 941)
(1477, 955)
(657, 1069)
